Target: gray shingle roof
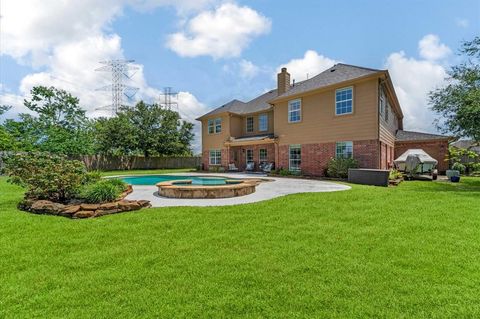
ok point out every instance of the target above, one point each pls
(405, 136)
(338, 73)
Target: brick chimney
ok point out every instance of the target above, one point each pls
(283, 81)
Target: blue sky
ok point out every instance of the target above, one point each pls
(213, 51)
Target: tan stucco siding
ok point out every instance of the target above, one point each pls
(319, 123)
(216, 140)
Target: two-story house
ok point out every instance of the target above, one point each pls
(345, 111)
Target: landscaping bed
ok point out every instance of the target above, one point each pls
(78, 209)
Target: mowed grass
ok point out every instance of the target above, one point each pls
(407, 252)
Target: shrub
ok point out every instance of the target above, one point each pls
(45, 176)
(394, 174)
(103, 191)
(92, 177)
(459, 167)
(338, 167)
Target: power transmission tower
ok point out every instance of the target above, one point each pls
(120, 71)
(166, 101)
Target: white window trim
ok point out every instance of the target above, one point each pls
(210, 157)
(290, 159)
(335, 105)
(246, 156)
(246, 124)
(336, 155)
(266, 155)
(290, 111)
(259, 126)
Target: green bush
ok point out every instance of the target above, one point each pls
(92, 177)
(45, 176)
(459, 167)
(338, 167)
(106, 190)
(394, 174)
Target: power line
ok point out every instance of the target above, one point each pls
(167, 102)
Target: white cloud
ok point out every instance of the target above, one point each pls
(413, 80)
(431, 49)
(310, 65)
(462, 23)
(223, 32)
(68, 38)
(248, 70)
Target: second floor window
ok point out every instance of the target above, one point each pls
(214, 126)
(344, 150)
(344, 101)
(249, 124)
(295, 111)
(263, 122)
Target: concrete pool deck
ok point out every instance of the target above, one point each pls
(277, 187)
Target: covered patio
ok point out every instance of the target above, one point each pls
(257, 149)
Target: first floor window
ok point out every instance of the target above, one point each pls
(249, 124)
(215, 157)
(295, 157)
(262, 155)
(263, 122)
(344, 101)
(249, 156)
(295, 111)
(344, 150)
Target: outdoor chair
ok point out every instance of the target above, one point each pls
(250, 167)
(232, 167)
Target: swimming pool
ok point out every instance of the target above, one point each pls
(196, 180)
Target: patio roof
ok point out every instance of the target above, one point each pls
(251, 140)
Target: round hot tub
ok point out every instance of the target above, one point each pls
(187, 189)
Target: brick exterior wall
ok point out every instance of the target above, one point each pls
(436, 149)
(315, 157)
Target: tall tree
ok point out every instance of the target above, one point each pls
(458, 102)
(146, 129)
(59, 124)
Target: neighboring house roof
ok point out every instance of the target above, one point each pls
(338, 73)
(407, 136)
(468, 144)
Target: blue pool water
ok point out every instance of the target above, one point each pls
(154, 179)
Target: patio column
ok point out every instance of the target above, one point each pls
(277, 159)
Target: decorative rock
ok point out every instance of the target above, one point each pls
(84, 214)
(89, 206)
(144, 203)
(101, 212)
(70, 210)
(46, 207)
(128, 205)
(108, 206)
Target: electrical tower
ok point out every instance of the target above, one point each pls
(166, 101)
(120, 71)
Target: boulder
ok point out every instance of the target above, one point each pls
(89, 206)
(126, 205)
(84, 214)
(101, 212)
(144, 203)
(46, 207)
(70, 210)
(108, 206)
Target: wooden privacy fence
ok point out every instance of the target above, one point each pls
(101, 162)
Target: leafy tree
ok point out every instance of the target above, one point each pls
(146, 129)
(58, 126)
(459, 102)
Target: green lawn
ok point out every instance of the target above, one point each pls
(406, 252)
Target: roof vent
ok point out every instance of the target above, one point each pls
(332, 70)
